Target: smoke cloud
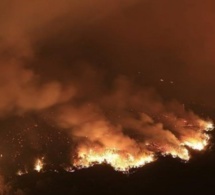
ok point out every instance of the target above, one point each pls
(104, 81)
(134, 121)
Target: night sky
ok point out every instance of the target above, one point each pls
(119, 81)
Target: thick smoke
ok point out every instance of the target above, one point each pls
(105, 78)
(22, 91)
(132, 120)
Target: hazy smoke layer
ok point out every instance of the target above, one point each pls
(4, 189)
(103, 80)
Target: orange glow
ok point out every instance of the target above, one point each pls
(200, 142)
(20, 172)
(206, 125)
(120, 161)
(38, 165)
(209, 126)
(197, 144)
(123, 160)
(138, 156)
(182, 153)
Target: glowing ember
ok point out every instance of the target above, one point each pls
(69, 169)
(39, 165)
(20, 172)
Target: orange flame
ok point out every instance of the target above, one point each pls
(121, 161)
(124, 161)
(21, 172)
(202, 141)
(39, 165)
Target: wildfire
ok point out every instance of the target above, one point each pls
(119, 160)
(124, 160)
(197, 144)
(39, 165)
(182, 153)
(201, 142)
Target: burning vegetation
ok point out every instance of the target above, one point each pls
(89, 83)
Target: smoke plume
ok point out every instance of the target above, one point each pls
(86, 83)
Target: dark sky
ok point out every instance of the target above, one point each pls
(102, 74)
(144, 40)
